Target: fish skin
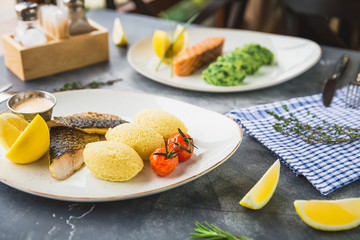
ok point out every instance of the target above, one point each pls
(89, 122)
(66, 146)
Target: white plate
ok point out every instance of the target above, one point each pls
(293, 56)
(216, 136)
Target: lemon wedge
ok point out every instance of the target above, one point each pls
(263, 190)
(11, 126)
(333, 215)
(118, 34)
(182, 41)
(25, 144)
(161, 42)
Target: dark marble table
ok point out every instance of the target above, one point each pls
(213, 198)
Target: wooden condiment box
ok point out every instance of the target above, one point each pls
(56, 56)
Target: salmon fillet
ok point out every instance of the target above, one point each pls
(198, 55)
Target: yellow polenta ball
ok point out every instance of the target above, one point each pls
(162, 122)
(112, 161)
(142, 139)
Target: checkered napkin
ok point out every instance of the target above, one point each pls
(327, 167)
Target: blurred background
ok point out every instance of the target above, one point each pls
(327, 22)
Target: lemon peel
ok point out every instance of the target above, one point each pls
(330, 215)
(31, 144)
(261, 193)
(11, 126)
(161, 43)
(118, 34)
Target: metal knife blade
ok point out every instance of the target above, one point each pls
(6, 87)
(329, 86)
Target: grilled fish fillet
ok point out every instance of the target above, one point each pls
(66, 150)
(89, 122)
(198, 55)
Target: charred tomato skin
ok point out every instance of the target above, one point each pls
(176, 138)
(162, 165)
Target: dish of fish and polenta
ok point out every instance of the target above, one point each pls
(215, 141)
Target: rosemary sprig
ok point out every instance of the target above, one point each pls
(326, 133)
(78, 85)
(210, 231)
(170, 48)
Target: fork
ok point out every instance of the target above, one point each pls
(353, 93)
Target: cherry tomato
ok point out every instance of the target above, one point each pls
(162, 161)
(183, 143)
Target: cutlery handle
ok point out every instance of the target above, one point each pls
(341, 65)
(6, 87)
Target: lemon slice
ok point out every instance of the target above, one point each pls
(32, 143)
(118, 34)
(263, 190)
(161, 42)
(182, 41)
(334, 215)
(11, 126)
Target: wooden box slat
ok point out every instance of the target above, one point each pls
(56, 55)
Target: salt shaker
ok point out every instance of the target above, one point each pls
(28, 31)
(78, 23)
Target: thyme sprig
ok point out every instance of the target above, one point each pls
(210, 231)
(79, 85)
(326, 133)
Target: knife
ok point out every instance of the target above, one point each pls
(4, 95)
(6, 87)
(330, 84)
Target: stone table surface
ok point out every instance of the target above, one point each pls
(213, 197)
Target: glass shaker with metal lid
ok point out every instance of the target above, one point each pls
(28, 31)
(78, 23)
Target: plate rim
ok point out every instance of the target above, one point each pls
(134, 195)
(222, 89)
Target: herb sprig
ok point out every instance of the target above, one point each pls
(78, 85)
(189, 141)
(326, 133)
(169, 50)
(210, 231)
(172, 154)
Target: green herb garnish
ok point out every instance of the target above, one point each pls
(78, 85)
(326, 133)
(169, 50)
(210, 231)
(172, 154)
(189, 141)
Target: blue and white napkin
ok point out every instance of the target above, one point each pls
(327, 167)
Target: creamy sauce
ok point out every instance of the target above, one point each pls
(32, 105)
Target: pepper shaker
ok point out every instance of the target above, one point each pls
(78, 23)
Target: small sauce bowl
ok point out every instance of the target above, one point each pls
(30, 103)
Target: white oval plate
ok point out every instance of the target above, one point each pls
(216, 136)
(293, 56)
